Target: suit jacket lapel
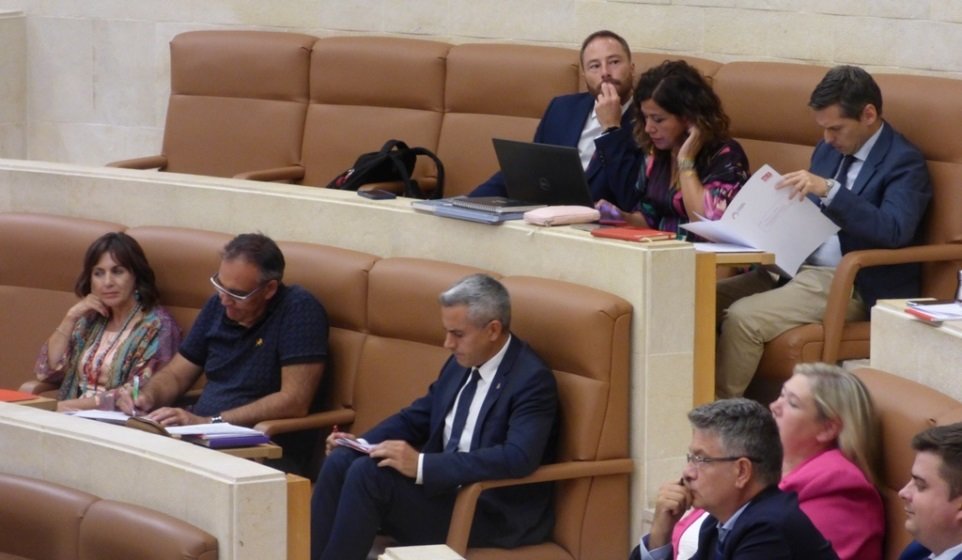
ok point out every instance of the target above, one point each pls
(707, 536)
(579, 116)
(446, 395)
(875, 157)
(626, 122)
(497, 386)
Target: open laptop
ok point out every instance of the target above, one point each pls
(535, 175)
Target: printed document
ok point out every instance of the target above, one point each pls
(763, 217)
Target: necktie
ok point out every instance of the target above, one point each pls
(461, 414)
(843, 170)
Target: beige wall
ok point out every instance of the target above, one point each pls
(13, 85)
(96, 71)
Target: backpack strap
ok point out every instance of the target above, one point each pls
(439, 190)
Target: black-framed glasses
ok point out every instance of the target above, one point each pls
(699, 460)
(233, 294)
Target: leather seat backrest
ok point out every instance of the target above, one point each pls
(591, 367)
(339, 279)
(365, 91)
(183, 259)
(119, 530)
(768, 106)
(237, 101)
(645, 60)
(40, 519)
(496, 91)
(927, 125)
(40, 259)
(904, 408)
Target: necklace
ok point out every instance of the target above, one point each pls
(92, 371)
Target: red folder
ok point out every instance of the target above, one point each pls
(633, 233)
(9, 395)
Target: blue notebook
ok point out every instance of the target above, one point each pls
(445, 208)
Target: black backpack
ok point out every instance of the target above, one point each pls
(394, 162)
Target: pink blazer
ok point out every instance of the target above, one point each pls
(839, 500)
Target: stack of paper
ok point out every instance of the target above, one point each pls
(219, 435)
(763, 217)
(109, 416)
(935, 311)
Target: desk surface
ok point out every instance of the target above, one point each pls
(923, 352)
(262, 451)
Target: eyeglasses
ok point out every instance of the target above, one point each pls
(699, 460)
(233, 294)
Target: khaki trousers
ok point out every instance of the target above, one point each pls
(757, 312)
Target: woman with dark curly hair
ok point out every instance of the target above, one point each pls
(691, 165)
(116, 335)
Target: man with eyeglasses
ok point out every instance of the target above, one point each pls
(734, 465)
(262, 345)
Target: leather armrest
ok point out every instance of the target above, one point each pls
(148, 162)
(843, 283)
(343, 416)
(37, 387)
(467, 500)
(289, 173)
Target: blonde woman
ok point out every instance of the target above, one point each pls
(829, 434)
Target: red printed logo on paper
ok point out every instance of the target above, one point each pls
(767, 176)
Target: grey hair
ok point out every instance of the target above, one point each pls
(746, 429)
(486, 299)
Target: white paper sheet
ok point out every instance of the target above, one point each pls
(766, 218)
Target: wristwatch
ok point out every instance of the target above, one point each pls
(217, 419)
(829, 185)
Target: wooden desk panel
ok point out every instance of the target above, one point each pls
(706, 276)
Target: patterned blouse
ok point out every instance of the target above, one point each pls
(111, 360)
(722, 169)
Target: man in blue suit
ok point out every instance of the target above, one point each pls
(491, 414)
(933, 496)
(870, 181)
(734, 465)
(598, 123)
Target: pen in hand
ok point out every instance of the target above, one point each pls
(136, 388)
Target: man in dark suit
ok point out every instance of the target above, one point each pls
(933, 496)
(491, 414)
(870, 181)
(734, 465)
(598, 123)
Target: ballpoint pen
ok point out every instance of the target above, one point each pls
(136, 387)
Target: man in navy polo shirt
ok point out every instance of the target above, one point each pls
(261, 344)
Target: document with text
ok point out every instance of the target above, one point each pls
(765, 218)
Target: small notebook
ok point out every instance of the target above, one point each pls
(444, 207)
(633, 233)
(496, 204)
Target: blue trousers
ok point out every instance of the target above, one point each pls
(354, 498)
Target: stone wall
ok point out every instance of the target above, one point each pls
(96, 71)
